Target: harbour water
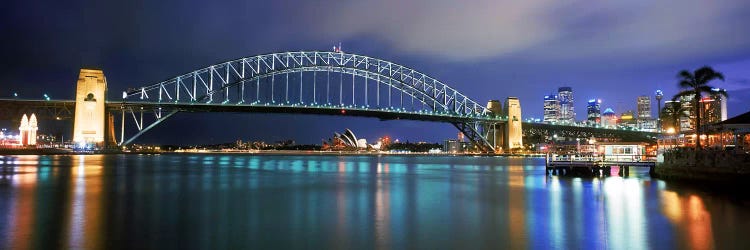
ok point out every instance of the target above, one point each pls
(234, 201)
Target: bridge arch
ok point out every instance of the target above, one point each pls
(238, 82)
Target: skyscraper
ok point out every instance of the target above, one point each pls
(644, 107)
(714, 107)
(594, 111)
(687, 122)
(551, 109)
(567, 111)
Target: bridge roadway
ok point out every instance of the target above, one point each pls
(64, 109)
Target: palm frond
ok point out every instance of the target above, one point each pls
(706, 74)
(686, 76)
(686, 84)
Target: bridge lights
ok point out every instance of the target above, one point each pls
(343, 111)
(46, 97)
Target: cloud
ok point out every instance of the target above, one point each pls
(545, 30)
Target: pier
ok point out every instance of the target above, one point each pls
(592, 166)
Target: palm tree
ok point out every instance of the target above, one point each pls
(696, 83)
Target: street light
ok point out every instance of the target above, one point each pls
(46, 97)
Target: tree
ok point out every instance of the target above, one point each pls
(696, 83)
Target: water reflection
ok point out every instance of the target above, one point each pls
(275, 201)
(690, 217)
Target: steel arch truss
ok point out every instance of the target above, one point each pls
(241, 82)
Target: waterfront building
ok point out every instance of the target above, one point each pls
(567, 111)
(345, 140)
(594, 115)
(609, 118)
(551, 109)
(644, 107)
(454, 146)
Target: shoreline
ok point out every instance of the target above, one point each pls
(52, 151)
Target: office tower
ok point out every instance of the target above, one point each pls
(594, 115)
(551, 109)
(644, 107)
(714, 107)
(567, 111)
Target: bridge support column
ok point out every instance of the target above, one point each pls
(89, 122)
(513, 130)
(495, 131)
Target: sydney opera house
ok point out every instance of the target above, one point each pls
(346, 140)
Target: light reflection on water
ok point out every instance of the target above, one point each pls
(382, 202)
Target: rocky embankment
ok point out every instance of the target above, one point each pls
(717, 166)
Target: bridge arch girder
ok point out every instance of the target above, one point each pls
(216, 84)
(192, 86)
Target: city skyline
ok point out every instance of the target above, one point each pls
(524, 57)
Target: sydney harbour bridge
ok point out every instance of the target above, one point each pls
(306, 82)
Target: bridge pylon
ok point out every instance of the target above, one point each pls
(91, 95)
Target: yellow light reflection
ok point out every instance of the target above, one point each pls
(85, 204)
(689, 214)
(517, 208)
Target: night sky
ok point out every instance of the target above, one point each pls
(613, 50)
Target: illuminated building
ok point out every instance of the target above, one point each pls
(644, 122)
(687, 122)
(627, 119)
(714, 107)
(609, 118)
(28, 130)
(346, 140)
(669, 120)
(551, 109)
(594, 111)
(453, 146)
(644, 107)
(567, 111)
(88, 126)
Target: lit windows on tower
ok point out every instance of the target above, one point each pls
(551, 109)
(644, 107)
(594, 115)
(567, 111)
